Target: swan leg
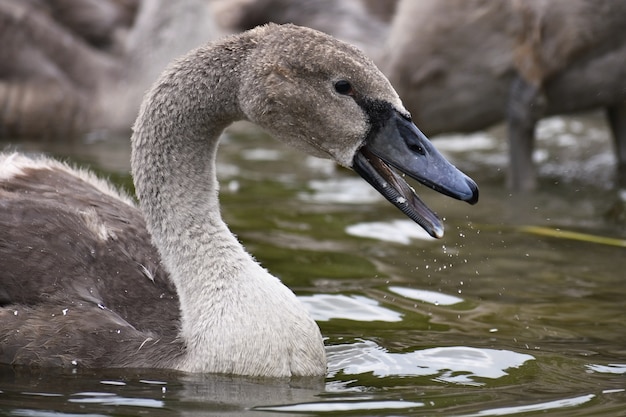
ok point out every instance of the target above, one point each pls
(616, 115)
(525, 108)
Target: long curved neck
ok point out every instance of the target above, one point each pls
(174, 146)
(235, 316)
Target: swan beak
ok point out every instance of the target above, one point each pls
(401, 145)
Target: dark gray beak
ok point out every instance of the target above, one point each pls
(400, 144)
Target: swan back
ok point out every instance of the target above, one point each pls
(81, 285)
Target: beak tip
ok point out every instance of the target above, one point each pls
(473, 194)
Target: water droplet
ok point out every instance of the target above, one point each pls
(233, 186)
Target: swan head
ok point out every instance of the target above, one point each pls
(328, 99)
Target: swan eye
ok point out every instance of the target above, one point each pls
(344, 87)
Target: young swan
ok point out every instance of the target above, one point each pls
(80, 282)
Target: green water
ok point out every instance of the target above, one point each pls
(497, 318)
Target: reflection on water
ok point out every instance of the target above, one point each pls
(398, 231)
(611, 368)
(518, 310)
(432, 297)
(340, 190)
(560, 405)
(454, 364)
(106, 399)
(324, 307)
(345, 406)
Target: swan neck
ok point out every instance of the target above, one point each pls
(235, 316)
(176, 134)
(174, 146)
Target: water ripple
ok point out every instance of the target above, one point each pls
(397, 231)
(324, 307)
(453, 364)
(545, 406)
(335, 406)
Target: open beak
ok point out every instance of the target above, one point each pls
(401, 145)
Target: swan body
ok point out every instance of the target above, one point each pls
(90, 279)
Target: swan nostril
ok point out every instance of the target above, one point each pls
(417, 149)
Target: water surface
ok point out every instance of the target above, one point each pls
(518, 310)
